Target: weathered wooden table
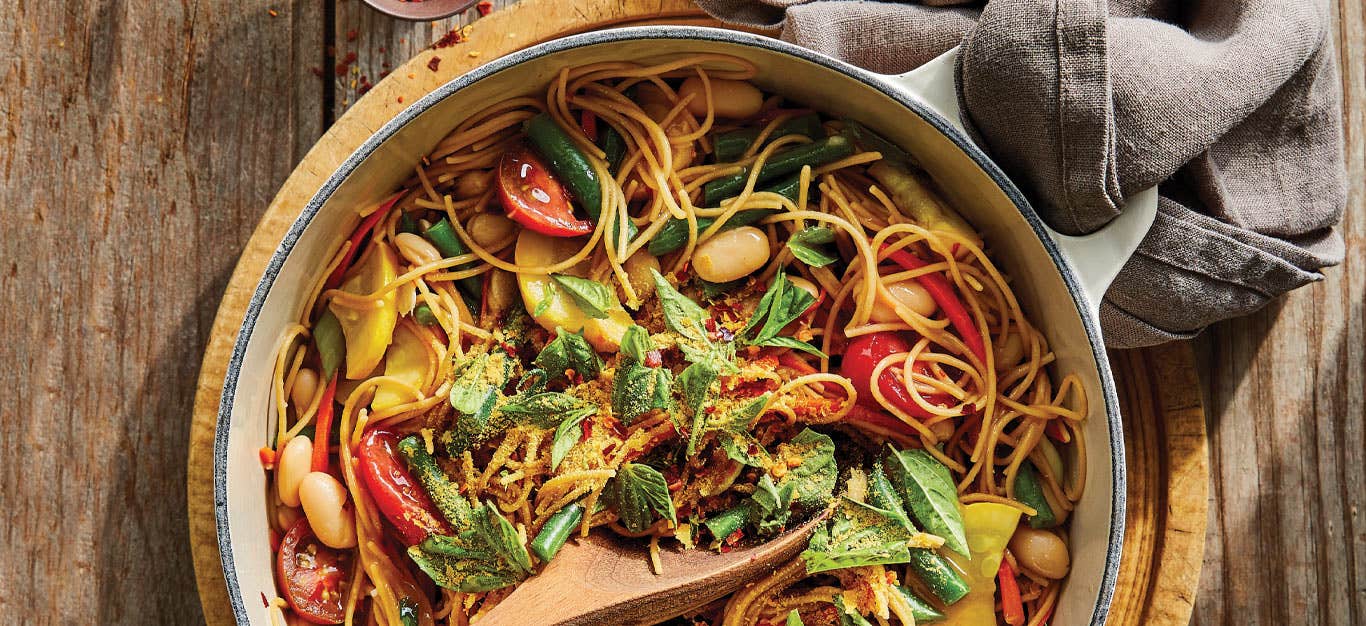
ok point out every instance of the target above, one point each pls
(142, 140)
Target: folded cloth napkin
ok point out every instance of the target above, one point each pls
(1233, 106)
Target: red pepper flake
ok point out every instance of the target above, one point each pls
(653, 359)
(273, 13)
(400, 99)
(350, 58)
(449, 39)
(383, 49)
(317, 71)
(484, 7)
(434, 63)
(352, 34)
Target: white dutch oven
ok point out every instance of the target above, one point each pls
(1059, 279)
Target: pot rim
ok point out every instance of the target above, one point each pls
(880, 82)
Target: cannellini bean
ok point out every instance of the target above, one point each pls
(683, 152)
(286, 516)
(416, 250)
(490, 229)
(731, 254)
(1040, 551)
(638, 273)
(305, 387)
(291, 467)
(1011, 351)
(730, 98)
(942, 429)
(324, 502)
(907, 293)
(472, 184)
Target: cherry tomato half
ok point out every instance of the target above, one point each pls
(396, 492)
(863, 354)
(313, 575)
(534, 199)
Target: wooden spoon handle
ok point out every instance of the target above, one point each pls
(605, 579)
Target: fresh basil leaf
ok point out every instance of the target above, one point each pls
(793, 619)
(543, 409)
(928, 491)
(475, 378)
(638, 390)
(710, 290)
(789, 342)
(814, 478)
(744, 448)
(568, 433)
(569, 351)
(681, 314)
(638, 493)
(473, 427)
(636, 343)
(592, 297)
(772, 505)
(849, 616)
(486, 555)
(883, 495)
(857, 534)
(696, 381)
(806, 244)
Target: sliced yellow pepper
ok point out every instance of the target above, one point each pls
(988, 526)
(368, 328)
(406, 360)
(916, 198)
(535, 249)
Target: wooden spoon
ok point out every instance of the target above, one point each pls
(607, 579)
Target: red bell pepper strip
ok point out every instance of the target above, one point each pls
(1011, 605)
(366, 225)
(861, 357)
(322, 427)
(942, 292)
(589, 122)
(879, 423)
(267, 457)
(1056, 432)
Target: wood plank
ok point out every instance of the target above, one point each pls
(158, 134)
(1287, 541)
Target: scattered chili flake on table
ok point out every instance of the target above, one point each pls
(352, 34)
(434, 63)
(273, 13)
(484, 7)
(400, 99)
(454, 36)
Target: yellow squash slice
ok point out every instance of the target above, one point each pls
(535, 249)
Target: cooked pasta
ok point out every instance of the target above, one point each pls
(659, 302)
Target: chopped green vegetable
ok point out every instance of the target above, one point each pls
(927, 488)
(571, 166)
(636, 343)
(674, 234)
(814, 478)
(556, 531)
(939, 575)
(613, 145)
(696, 381)
(793, 619)
(639, 492)
(923, 611)
(475, 394)
(788, 161)
(443, 238)
(407, 609)
(849, 616)
(725, 524)
(444, 493)
(543, 409)
(731, 146)
(772, 505)
(857, 534)
(422, 313)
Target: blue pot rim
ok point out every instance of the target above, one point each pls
(875, 81)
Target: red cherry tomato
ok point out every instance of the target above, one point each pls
(396, 492)
(534, 199)
(313, 575)
(863, 354)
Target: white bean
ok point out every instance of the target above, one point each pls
(472, 184)
(490, 229)
(1009, 352)
(324, 502)
(907, 293)
(1040, 551)
(731, 254)
(805, 285)
(684, 152)
(286, 516)
(291, 467)
(305, 387)
(416, 250)
(733, 99)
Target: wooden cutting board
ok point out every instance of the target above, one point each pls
(1158, 387)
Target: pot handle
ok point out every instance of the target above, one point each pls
(1096, 258)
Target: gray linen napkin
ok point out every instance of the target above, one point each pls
(1233, 106)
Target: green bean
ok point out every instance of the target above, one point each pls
(1029, 490)
(732, 145)
(329, 341)
(556, 531)
(443, 238)
(939, 575)
(778, 165)
(727, 522)
(923, 611)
